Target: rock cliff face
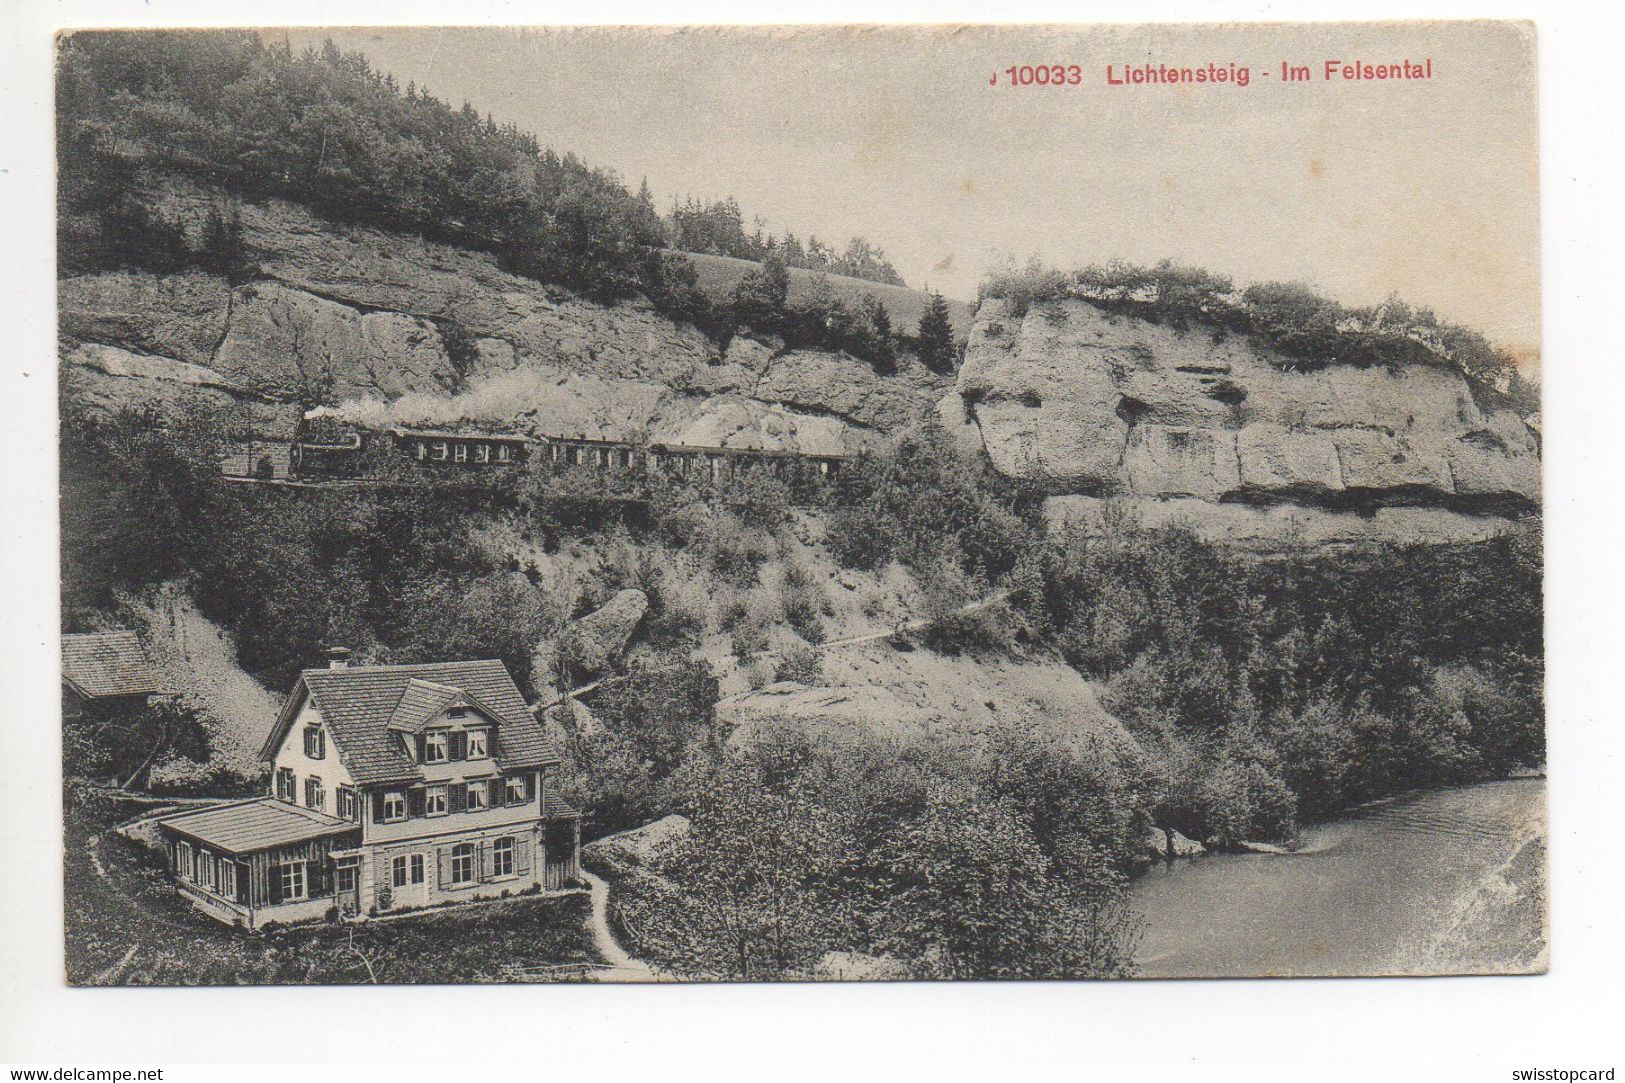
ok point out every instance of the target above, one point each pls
(1113, 412)
(394, 328)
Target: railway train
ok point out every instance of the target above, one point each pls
(324, 450)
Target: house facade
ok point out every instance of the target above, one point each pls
(392, 788)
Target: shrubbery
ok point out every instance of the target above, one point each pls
(950, 865)
(1305, 327)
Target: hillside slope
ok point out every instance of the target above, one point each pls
(720, 274)
(390, 327)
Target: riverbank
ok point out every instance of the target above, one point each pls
(1442, 881)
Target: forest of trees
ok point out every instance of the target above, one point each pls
(717, 227)
(322, 128)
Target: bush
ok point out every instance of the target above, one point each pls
(800, 664)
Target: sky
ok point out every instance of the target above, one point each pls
(1424, 188)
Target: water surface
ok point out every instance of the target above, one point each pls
(1444, 881)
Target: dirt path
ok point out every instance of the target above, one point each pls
(622, 966)
(919, 624)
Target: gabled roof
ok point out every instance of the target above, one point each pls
(242, 827)
(360, 703)
(423, 701)
(101, 664)
(420, 701)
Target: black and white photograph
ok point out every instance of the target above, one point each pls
(800, 504)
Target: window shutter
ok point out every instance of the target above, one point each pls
(378, 806)
(422, 755)
(443, 858)
(414, 801)
(316, 877)
(243, 882)
(459, 797)
(493, 792)
(276, 884)
(521, 854)
(459, 745)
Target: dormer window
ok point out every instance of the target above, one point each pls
(477, 744)
(434, 748)
(315, 743)
(394, 806)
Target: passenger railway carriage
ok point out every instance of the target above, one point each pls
(326, 450)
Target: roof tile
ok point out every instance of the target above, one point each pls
(101, 664)
(259, 824)
(358, 703)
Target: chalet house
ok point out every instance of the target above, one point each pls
(105, 669)
(392, 787)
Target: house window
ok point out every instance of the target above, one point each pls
(285, 785)
(502, 857)
(434, 748)
(417, 868)
(314, 797)
(460, 453)
(344, 877)
(476, 744)
(205, 869)
(457, 712)
(394, 806)
(434, 801)
(504, 453)
(482, 453)
(397, 871)
(228, 878)
(477, 794)
(462, 863)
(183, 859)
(423, 450)
(346, 802)
(291, 876)
(437, 451)
(315, 744)
(518, 792)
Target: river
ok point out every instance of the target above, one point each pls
(1443, 881)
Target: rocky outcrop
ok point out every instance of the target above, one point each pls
(1162, 844)
(589, 645)
(1221, 433)
(857, 708)
(394, 329)
(181, 316)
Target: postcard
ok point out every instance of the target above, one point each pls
(800, 503)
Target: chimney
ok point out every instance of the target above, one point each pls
(338, 658)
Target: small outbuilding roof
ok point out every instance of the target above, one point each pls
(262, 823)
(98, 665)
(556, 808)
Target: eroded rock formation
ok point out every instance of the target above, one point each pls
(1109, 411)
(400, 330)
